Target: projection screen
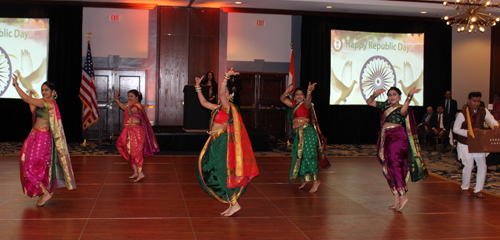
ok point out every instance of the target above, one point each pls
(24, 46)
(363, 62)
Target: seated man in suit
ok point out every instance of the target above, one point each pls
(423, 127)
(439, 126)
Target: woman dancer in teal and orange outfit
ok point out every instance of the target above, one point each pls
(308, 142)
(45, 164)
(227, 163)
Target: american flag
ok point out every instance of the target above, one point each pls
(88, 93)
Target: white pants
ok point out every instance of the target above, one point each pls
(468, 161)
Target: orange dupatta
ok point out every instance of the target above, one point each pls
(241, 164)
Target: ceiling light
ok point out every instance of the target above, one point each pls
(471, 15)
(423, 12)
(237, 2)
(329, 7)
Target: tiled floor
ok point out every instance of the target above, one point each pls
(351, 203)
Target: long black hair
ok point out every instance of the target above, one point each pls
(137, 94)
(212, 81)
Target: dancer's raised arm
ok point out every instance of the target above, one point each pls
(206, 104)
(404, 109)
(27, 99)
(310, 90)
(371, 100)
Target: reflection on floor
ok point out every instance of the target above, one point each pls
(442, 164)
(351, 203)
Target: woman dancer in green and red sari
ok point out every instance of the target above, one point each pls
(398, 146)
(137, 137)
(227, 163)
(308, 142)
(45, 164)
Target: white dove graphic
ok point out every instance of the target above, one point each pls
(27, 77)
(338, 85)
(408, 77)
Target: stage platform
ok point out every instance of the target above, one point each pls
(175, 138)
(351, 203)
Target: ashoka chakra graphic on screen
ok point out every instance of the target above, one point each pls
(5, 71)
(377, 73)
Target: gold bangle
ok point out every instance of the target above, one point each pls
(286, 94)
(309, 92)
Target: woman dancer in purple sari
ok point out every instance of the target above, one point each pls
(398, 146)
(45, 164)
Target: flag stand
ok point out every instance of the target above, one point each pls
(84, 143)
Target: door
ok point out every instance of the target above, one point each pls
(108, 82)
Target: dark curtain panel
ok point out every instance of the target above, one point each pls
(495, 60)
(65, 70)
(360, 124)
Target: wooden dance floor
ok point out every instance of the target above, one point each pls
(351, 203)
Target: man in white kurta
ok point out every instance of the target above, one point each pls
(467, 158)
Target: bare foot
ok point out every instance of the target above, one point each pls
(141, 176)
(134, 176)
(315, 186)
(45, 197)
(303, 185)
(227, 210)
(394, 206)
(404, 200)
(235, 208)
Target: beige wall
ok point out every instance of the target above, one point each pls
(470, 64)
(127, 38)
(247, 42)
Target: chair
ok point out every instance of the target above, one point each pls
(436, 139)
(424, 141)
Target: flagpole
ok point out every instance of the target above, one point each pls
(84, 144)
(290, 75)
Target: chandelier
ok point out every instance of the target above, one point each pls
(471, 16)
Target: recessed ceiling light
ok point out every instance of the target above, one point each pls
(328, 6)
(423, 12)
(237, 2)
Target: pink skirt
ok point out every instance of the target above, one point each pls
(130, 145)
(35, 162)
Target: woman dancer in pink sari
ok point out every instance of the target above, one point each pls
(137, 137)
(45, 164)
